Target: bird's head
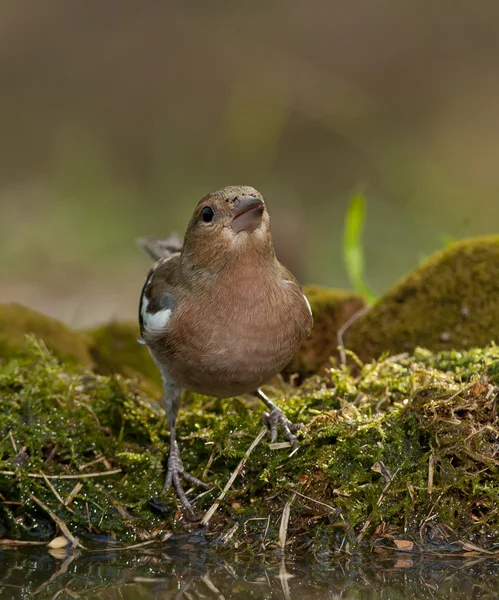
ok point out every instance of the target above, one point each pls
(229, 223)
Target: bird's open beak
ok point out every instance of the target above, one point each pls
(247, 213)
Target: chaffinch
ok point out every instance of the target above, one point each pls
(219, 313)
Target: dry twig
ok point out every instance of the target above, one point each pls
(133, 546)
(342, 330)
(81, 476)
(431, 472)
(283, 529)
(328, 506)
(92, 463)
(214, 507)
(74, 492)
(55, 492)
(59, 522)
(21, 543)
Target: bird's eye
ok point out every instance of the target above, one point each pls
(207, 214)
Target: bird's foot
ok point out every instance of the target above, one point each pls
(275, 418)
(174, 474)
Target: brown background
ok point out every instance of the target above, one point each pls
(116, 116)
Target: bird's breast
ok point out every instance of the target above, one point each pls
(231, 341)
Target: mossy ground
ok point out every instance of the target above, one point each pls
(399, 452)
(405, 450)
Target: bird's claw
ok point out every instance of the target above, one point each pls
(174, 473)
(275, 418)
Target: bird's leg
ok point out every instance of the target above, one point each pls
(175, 467)
(276, 417)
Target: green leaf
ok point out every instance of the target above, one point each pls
(353, 250)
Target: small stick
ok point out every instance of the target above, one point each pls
(13, 442)
(93, 462)
(203, 493)
(208, 464)
(21, 543)
(396, 357)
(121, 509)
(469, 547)
(283, 529)
(229, 534)
(492, 389)
(480, 457)
(214, 507)
(279, 445)
(82, 476)
(245, 526)
(76, 490)
(52, 489)
(478, 431)
(265, 532)
(88, 517)
(341, 331)
(140, 545)
(316, 501)
(431, 472)
(465, 388)
(58, 521)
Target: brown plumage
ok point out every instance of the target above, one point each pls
(220, 314)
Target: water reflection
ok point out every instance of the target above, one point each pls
(188, 573)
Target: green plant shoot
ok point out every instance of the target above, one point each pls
(353, 250)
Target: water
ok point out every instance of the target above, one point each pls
(186, 572)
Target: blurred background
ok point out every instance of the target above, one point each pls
(117, 116)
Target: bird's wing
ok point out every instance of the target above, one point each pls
(291, 279)
(157, 248)
(157, 299)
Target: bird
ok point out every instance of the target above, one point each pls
(220, 314)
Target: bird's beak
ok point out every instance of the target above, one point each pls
(247, 213)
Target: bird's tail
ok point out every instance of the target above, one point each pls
(157, 248)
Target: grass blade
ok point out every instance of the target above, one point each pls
(353, 250)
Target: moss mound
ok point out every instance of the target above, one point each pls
(111, 348)
(16, 321)
(406, 450)
(448, 302)
(331, 309)
(115, 349)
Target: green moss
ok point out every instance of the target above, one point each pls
(448, 302)
(331, 309)
(57, 418)
(115, 349)
(400, 413)
(16, 321)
